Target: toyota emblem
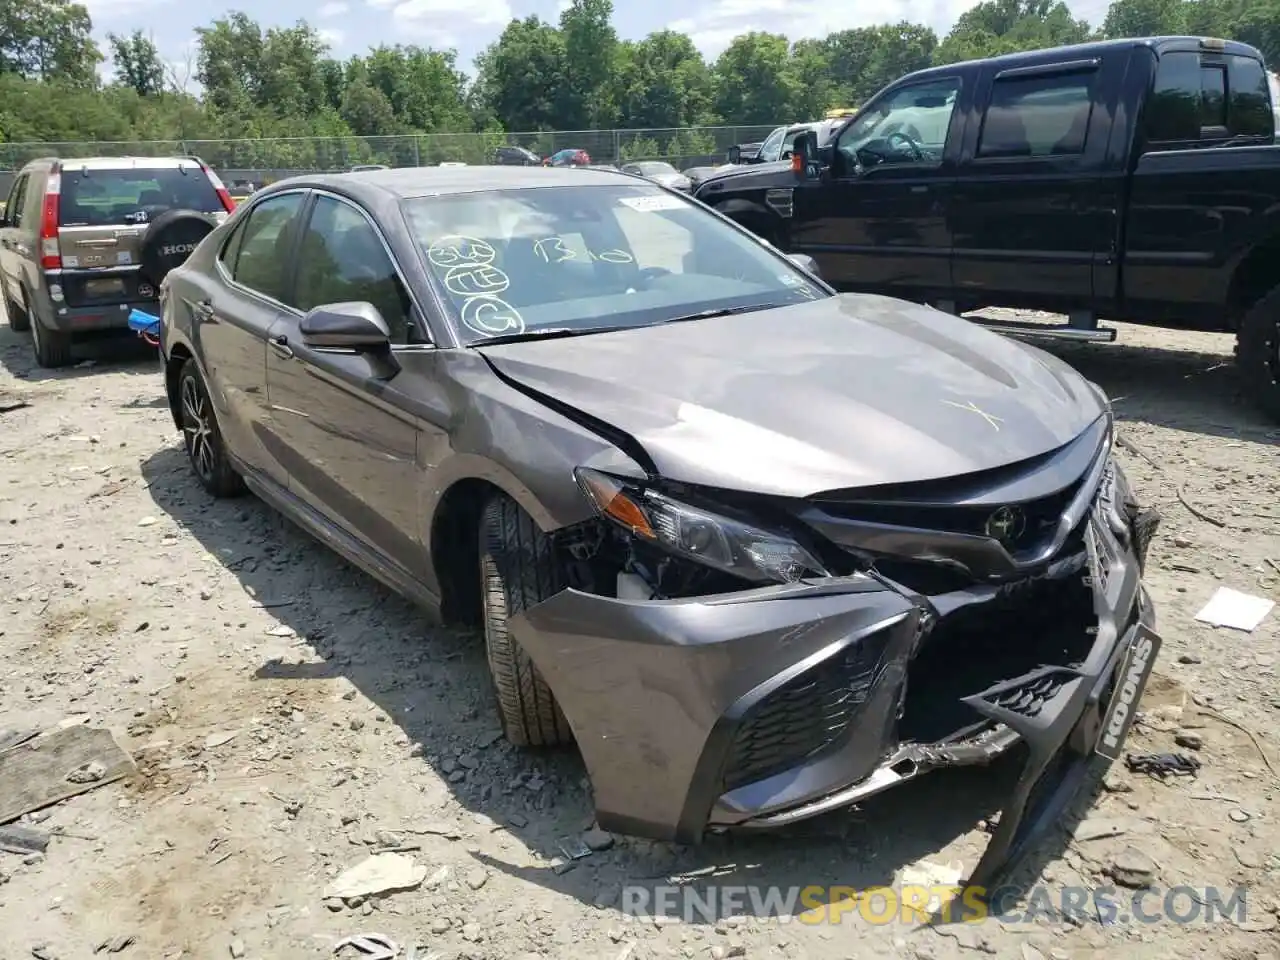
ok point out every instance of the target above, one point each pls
(1006, 524)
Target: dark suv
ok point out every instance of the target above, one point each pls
(83, 242)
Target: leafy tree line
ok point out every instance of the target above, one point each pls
(577, 74)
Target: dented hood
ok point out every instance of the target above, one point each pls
(844, 392)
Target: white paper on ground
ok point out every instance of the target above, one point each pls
(1231, 608)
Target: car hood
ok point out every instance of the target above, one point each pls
(844, 392)
(738, 170)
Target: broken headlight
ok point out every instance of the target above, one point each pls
(718, 541)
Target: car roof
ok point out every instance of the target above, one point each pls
(1160, 45)
(119, 163)
(409, 182)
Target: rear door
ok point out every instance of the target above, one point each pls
(235, 310)
(1035, 200)
(103, 213)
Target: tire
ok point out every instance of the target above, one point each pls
(1258, 354)
(52, 347)
(19, 318)
(202, 437)
(517, 571)
(169, 240)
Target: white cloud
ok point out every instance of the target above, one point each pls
(333, 9)
(332, 36)
(713, 29)
(441, 21)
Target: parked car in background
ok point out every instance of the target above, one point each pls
(659, 171)
(85, 241)
(569, 157)
(361, 167)
(513, 156)
(766, 555)
(1128, 179)
(697, 174)
(241, 190)
(781, 142)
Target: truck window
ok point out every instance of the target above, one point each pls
(771, 149)
(906, 126)
(1197, 98)
(1038, 116)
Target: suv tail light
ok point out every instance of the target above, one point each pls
(50, 255)
(225, 197)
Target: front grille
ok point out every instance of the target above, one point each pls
(1042, 517)
(806, 715)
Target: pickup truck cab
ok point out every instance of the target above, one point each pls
(1136, 180)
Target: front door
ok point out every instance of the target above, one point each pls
(350, 449)
(878, 221)
(233, 319)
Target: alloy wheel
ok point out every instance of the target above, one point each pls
(197, 428)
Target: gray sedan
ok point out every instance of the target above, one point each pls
(759, 549)
(661, 172)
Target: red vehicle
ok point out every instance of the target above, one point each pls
(570, 157)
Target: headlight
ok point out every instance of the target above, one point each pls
(708, 538)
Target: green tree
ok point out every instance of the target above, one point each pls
(48, 40)
(137, 63)
(520, 75)
(994, 27)
(585, 99)
(754, 83)
(663, 82)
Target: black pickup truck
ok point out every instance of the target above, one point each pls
(1134, 180)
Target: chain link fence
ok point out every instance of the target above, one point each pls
(270, 159)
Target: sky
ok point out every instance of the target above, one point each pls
(352, 26)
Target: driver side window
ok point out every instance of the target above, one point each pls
(908, 127)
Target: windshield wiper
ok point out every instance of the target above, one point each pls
(723, 312)
(543, 333)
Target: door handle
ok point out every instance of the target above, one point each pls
(281, 346)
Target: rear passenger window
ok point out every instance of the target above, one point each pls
(1042, 115)
(1207, 98)
(262, 258)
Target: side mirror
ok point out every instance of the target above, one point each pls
(353, 326)
(805, 263)
(804, 154)
(735, 154)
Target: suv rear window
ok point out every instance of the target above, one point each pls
(94, 198)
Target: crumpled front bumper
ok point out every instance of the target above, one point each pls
(673, 701)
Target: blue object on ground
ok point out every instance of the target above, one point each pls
(144, 322)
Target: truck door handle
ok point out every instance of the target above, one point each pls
(281, 346)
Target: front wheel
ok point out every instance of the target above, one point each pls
(1258, 353)
(518, 569)
(202, 437)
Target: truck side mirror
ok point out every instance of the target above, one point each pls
(804, 156)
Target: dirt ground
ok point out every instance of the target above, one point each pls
(289, 717)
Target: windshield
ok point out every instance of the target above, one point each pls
(912, 121)
(783, 142)
(95, 197)
(584, 258)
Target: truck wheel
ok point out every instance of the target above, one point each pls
(1258, 353)
(53, 347)
(518, 570)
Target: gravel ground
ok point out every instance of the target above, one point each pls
(290, 717)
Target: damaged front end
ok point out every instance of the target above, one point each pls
(740, 663)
